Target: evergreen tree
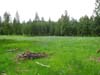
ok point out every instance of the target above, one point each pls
(6, 24)
(0, 25)
(16, 24)
(97, 18)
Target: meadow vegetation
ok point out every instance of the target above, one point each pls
(67, 55)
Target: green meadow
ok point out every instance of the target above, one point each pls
(66, 55)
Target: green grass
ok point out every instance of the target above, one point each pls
(70, 55)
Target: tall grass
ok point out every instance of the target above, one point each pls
(67, 55)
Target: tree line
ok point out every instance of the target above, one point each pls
(65, 26)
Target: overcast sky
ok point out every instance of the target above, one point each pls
(47, 8)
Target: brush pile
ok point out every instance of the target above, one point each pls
(30, 55)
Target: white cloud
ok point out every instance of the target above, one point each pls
(47, 8)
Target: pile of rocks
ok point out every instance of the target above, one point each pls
(30, 55)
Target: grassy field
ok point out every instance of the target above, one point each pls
(70, 55)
